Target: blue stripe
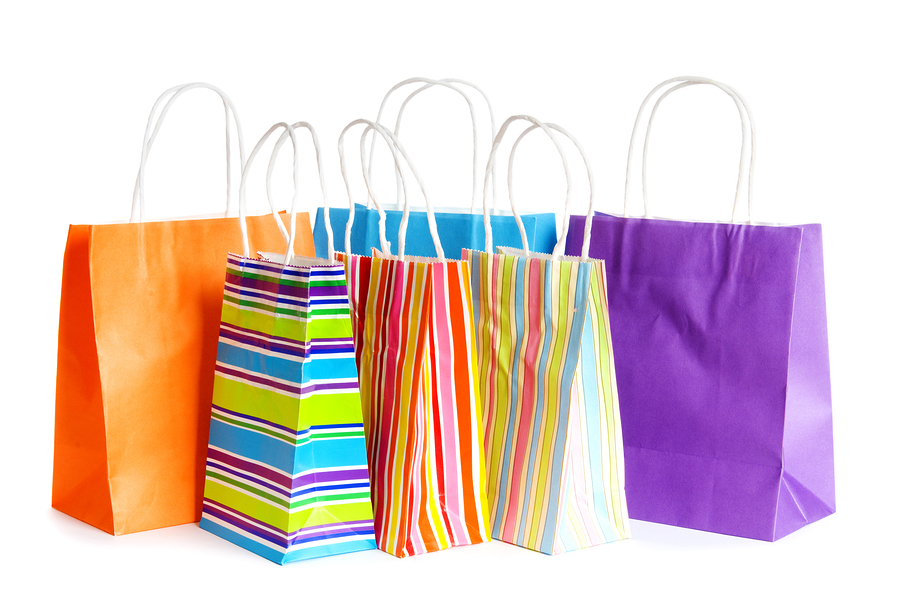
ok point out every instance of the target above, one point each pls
(286, 369)
(326, 271)
(572, 347)
(592, 401)
(250, 444)
(334, 536)
(289, 458)
(331, 453)
(327, 549)
(331, 549)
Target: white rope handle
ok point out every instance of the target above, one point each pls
(315, 140)
(394, 146)
(490, 109)
(137, 202)
(429, 83)
(289, 254)
(488, 233)
(741, 104)
(585, 247)
(747, 123)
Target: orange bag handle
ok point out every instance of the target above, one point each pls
(137, 202)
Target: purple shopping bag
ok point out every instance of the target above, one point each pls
(722, 367)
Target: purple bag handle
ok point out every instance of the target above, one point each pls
(746, 123)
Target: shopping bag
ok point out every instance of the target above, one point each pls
(551, 417)
(457, 227)
(139, 310)
(421, 403)
(722, 363)
(286, 473)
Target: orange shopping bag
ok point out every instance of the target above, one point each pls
(138, 327)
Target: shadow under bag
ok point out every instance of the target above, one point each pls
(722, 363)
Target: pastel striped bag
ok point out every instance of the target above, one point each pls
(552, 431)
(421, 401)
(286, 473)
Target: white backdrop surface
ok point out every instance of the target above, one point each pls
(78, 82)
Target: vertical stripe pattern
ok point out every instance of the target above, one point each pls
(421, 401)
(286, 473)
(553, 437)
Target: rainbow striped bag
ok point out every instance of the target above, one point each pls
(286, 473)
(421, 402)
(552, 432)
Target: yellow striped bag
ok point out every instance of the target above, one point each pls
(552, 433)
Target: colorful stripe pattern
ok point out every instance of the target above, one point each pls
(286, 473)
(421, 402)
(552, 431)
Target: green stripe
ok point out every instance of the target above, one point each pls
(289, 328)
(336, 513)
(280, 518)
(259, 492)
(300, 439)
(321, 408)
(259, 403)
(257, 428)
(339, 434)
(364, 495)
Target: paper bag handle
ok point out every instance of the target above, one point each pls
(289, 254)
(394, 146)
(137, 202)
(488, 233)
(585, 247)
(747, 123)
(315, 140)
(430, 83)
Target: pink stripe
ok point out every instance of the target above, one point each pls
(448, 422)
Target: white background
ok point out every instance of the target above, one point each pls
(78, 80)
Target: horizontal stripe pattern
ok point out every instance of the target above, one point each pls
(286, 472)
(552, 430)
(421, 402)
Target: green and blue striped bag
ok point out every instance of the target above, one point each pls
(286, 473)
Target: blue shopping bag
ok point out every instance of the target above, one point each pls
(458, 228)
